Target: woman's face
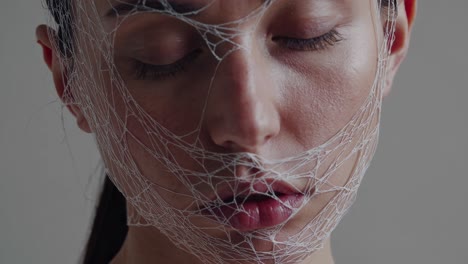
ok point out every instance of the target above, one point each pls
(251, 123)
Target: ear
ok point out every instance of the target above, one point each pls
(59, 74)
(404, 24)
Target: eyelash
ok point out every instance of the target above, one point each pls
(313, 44)
(145, 71)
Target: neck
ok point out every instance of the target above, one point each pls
(145, 244)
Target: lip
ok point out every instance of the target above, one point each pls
(257, 205)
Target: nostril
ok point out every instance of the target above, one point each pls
(228, 144)
(254, 172)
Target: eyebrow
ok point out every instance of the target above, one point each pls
(125, 6)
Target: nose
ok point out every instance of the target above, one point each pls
(242, 111)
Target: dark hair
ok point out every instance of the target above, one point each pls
(109, 227)
(61, 11)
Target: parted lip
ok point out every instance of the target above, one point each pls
(258, 204)
(254, 190)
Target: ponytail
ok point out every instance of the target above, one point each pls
(109, 227)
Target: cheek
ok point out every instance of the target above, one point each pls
(138, 159)
(175, 103)
(322, 96)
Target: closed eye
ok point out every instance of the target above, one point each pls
(147, 71)
(312, 44)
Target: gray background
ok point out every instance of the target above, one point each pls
(412, 206)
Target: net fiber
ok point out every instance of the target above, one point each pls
(213, 217)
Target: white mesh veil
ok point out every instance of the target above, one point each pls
(221, 205)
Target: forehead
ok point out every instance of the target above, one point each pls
(206, 10)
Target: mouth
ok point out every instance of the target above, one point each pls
(257, 206)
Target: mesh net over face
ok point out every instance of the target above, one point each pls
(160, 122)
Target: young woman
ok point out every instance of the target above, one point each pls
(231, 131)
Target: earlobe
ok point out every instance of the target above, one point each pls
(406, 15)
(51, 58)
